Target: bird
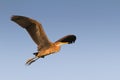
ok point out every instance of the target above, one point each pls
(44, 45)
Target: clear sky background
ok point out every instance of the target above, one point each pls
(94, 56)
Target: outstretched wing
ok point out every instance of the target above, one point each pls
(35, 30)
(69, 38)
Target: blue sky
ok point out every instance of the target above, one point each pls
(94, 56)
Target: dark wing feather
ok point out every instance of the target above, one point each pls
(35, 30)
(69, 38)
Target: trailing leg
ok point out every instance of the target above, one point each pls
(30, 61)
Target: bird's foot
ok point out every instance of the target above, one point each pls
(30, 61)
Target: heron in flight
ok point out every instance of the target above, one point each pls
(36, 31)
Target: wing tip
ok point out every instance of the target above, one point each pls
(23, 21)
(14, 17)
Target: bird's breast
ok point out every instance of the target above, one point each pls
(53, 49)
(50, 50)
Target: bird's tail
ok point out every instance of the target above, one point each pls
(30, 61)
(36, 53)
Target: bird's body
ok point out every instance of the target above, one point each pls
(52, 49)
(45, 47)
(44, 52)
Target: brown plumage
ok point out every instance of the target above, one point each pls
(35, 30)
